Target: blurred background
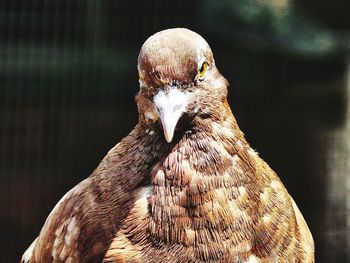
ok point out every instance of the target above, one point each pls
(68, 79)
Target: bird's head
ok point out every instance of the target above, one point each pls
(178, 77)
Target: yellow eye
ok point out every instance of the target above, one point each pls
(202, 70)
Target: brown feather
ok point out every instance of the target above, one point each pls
(205, 197)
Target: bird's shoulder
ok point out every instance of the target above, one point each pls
(280, 227)
(87, 215)
(58, 237)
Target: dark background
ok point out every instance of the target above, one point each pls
(68, 79)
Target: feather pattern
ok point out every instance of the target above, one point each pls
(204, 197)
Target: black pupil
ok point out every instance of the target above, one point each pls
(202, 68)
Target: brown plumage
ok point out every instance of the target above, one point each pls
(197, 194)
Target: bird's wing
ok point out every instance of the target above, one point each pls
(61, 224)
(307, 242)
(84, 221)
(58, 238)
(80, 227)
(280, 226)
(26, 258)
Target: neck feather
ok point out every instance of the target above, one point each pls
(200, 184)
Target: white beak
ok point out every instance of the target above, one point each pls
(170, 107)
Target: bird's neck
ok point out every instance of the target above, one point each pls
(198, 186)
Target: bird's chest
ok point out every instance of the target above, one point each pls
(201, 206)
(170, 225)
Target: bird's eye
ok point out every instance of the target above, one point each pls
(202, 70)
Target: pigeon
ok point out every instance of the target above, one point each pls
(184, 185)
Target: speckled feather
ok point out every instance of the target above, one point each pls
(204, 197)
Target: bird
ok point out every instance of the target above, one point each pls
(184, 185)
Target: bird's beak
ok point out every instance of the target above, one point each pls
(170, 107)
